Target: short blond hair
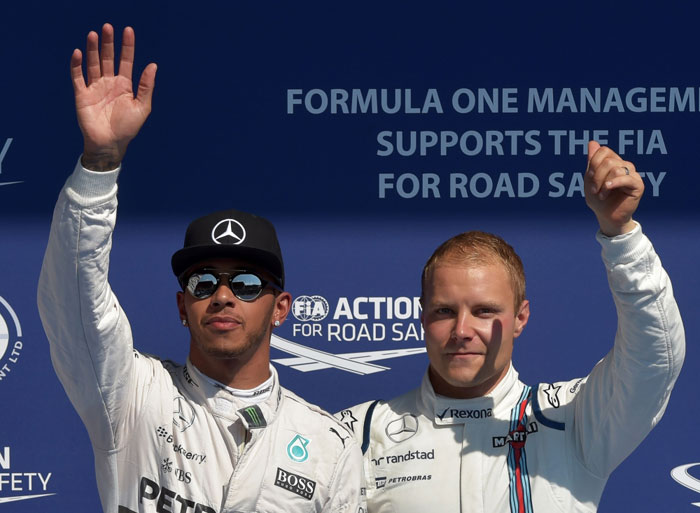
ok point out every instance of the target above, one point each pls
(475, 248)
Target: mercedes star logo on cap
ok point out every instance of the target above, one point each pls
(228, 231)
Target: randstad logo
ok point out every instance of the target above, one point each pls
(296, 449)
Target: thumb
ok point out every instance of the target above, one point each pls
(146, 85)
(593, 146)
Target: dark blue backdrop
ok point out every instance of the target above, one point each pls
(221, 135)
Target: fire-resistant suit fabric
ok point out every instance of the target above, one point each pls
(546, 448)
(165, 437)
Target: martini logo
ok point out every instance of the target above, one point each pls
(296, 449)
(21, 486)
(516, 438)
(10, 339)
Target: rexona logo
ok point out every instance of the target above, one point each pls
(457, 414)
(10, 339)
(21, 486)
(3, 152)
(359, 319)
(683, 477)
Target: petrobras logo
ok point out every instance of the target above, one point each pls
(21, 485)
(683, 477)
(368, 319)
(3, 153)
(10, 339)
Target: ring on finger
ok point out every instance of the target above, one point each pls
(627, 171)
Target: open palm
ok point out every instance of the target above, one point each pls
(108, 113)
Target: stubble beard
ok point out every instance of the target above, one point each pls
(250, 344)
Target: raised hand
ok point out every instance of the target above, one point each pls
(613, 189)
(108, 113)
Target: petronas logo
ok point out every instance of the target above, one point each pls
(296, 449)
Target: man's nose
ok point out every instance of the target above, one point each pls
(464, 325)
(223, 296)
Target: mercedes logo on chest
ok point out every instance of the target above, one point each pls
(228, 231)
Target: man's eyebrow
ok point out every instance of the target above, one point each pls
(493, 305)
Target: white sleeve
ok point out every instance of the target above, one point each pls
(89, 334)
(627, 392)
(347, 489)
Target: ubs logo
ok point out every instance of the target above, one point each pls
(10, 338)
(228, 231)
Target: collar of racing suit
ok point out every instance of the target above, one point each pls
(223, 403)
(446, 410)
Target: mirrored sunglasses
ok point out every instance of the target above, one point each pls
(245, 285)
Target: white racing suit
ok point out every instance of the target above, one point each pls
(166, 438)
(547, 448)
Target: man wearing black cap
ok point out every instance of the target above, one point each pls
(218, 434)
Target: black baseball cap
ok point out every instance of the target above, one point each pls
(231, 234)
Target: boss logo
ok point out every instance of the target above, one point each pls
(300, 485)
